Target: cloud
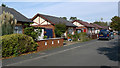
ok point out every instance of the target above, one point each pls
(88, 11)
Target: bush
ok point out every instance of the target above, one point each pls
(30, 32)
(16, 44)
(7, 23)
(82, 36)
(60, 29)
(70, 35)
(34, 32)
(45, 37)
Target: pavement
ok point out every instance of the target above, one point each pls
(90, 53)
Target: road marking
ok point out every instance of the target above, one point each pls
(51, 54)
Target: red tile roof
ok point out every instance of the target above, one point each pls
(97, 26)
(100, 27)
(105, 27)
(54, 20)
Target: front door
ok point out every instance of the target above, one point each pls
(84, 30)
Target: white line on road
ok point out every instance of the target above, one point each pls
(51, 54)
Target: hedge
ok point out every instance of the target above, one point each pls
(17, 44)
(82, 36)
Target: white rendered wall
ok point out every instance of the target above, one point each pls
(77, 24)
(40, 21)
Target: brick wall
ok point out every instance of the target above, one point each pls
(50, 43)
(94, 36)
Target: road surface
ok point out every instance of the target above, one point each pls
(91, 53)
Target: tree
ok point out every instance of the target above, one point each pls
(115, 24)
(60, 29)
(7, 23)
(29, 30)
(73, 18)
(3, 5)
(64, 18)
(101, 19)
(101, 23)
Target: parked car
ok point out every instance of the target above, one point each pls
(112, 35)
(104, 34)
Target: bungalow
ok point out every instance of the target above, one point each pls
(106, 27)
(21, 19)
(84, 27)
(97, 27)
(48, 23)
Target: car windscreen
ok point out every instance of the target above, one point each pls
(103, 32)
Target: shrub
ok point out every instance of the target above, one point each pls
(30, 32)
(75, 37)
(16, 44)
(34, 32)
(70, 36)
(45, 37)
(7, 23)
(60, 29)
(82, 36)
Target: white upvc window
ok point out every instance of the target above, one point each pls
(58, 41)
(52, 42)
(45, 43)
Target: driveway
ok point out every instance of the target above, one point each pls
(91, 53)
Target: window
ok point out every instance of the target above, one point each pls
(89, 30)
(79, 30)
(70, 30)
(18, 29)
(45, 43)
(52, 42)
(58, 41)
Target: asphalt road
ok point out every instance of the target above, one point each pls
(92, 53)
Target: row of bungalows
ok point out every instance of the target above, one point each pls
(91, 29)
(97, 28)
(47, 24)
(84, 27)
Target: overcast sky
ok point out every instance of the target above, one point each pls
(87, 11)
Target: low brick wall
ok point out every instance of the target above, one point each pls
(49, 43)
(94, 36)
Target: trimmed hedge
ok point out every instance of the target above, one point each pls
(17, 44)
